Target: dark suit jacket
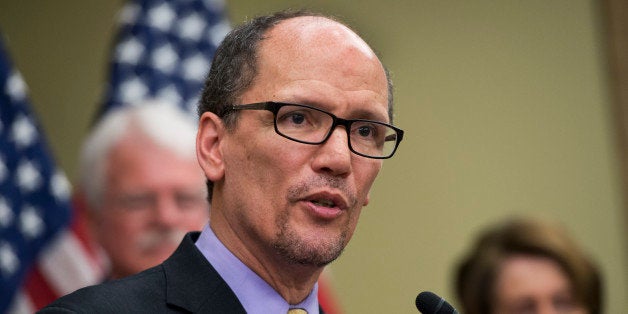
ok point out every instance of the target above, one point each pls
(184, 283)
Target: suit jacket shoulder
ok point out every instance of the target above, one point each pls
(184, 283)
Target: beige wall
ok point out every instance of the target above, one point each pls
(505, 106)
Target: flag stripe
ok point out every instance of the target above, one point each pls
(38, 289)
(67, 266)
(80, 228)
(326, 297)
(22, 304)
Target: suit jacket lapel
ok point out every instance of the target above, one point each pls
(193, 284)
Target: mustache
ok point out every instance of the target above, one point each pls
(301, 189)
(155, 238)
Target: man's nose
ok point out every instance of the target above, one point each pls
(166, 212)
(333, 156)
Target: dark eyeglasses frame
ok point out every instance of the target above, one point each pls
(275, 106)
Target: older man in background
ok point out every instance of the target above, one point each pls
(142, 185)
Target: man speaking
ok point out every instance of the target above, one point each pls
(295, 121)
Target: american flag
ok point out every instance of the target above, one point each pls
(164, 50)
(34, 194)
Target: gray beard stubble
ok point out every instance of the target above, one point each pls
(295, 249)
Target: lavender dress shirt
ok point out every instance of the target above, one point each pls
(256, 296)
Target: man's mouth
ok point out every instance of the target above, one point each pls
(324, 203)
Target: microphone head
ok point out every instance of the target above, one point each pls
(429, 303)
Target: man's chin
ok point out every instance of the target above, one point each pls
(312, 254)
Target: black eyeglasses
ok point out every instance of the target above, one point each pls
(310, 125)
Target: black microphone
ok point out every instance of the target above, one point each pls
(429, 303)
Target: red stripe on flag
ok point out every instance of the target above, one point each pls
(80, 228)
(37, 285)
(38, 289)
(326, 298)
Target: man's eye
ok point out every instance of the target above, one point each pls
(366, 131)
(297, 118)
(135, 202)
(189, 201)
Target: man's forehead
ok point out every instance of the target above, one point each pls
(308, 59)
(316, 30)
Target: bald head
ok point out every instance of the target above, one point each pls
(235, 63)
(319, 30)
(320, 53)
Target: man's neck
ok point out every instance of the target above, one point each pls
(292, 281)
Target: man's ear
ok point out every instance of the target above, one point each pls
(208, 148)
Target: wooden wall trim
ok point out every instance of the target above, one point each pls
(615, 16)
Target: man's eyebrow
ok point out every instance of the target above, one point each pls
(357, 113)
(367, 115)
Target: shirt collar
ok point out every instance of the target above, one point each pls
(255, 294)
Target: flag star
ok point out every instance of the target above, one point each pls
(218, 32)
(165, 58)
(132, 90)
(16, 87)
(6, 214)
(196, 67)
(161, 17)
(60, 186)
(192, 26)
(8, 260)
(170, 94)
(24, 133)
(31, 223)
(130, 51)
(28, 177)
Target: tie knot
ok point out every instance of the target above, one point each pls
(297, 311)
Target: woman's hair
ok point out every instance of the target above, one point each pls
(476, 274)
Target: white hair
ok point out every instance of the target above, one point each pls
(162, 123)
